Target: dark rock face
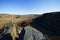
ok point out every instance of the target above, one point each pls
(6, 37)
(48, 23)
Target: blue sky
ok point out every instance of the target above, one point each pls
(29, 6)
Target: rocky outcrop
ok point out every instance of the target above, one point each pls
(48, 23)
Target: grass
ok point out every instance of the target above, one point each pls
(0, 16)
(8, 18)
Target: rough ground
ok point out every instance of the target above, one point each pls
(6, 19)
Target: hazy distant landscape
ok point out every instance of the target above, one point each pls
(6, 18)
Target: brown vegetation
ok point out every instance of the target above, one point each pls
(12, 18)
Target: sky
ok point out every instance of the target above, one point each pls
(29, 6)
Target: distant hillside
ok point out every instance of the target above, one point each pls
(6, 18)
